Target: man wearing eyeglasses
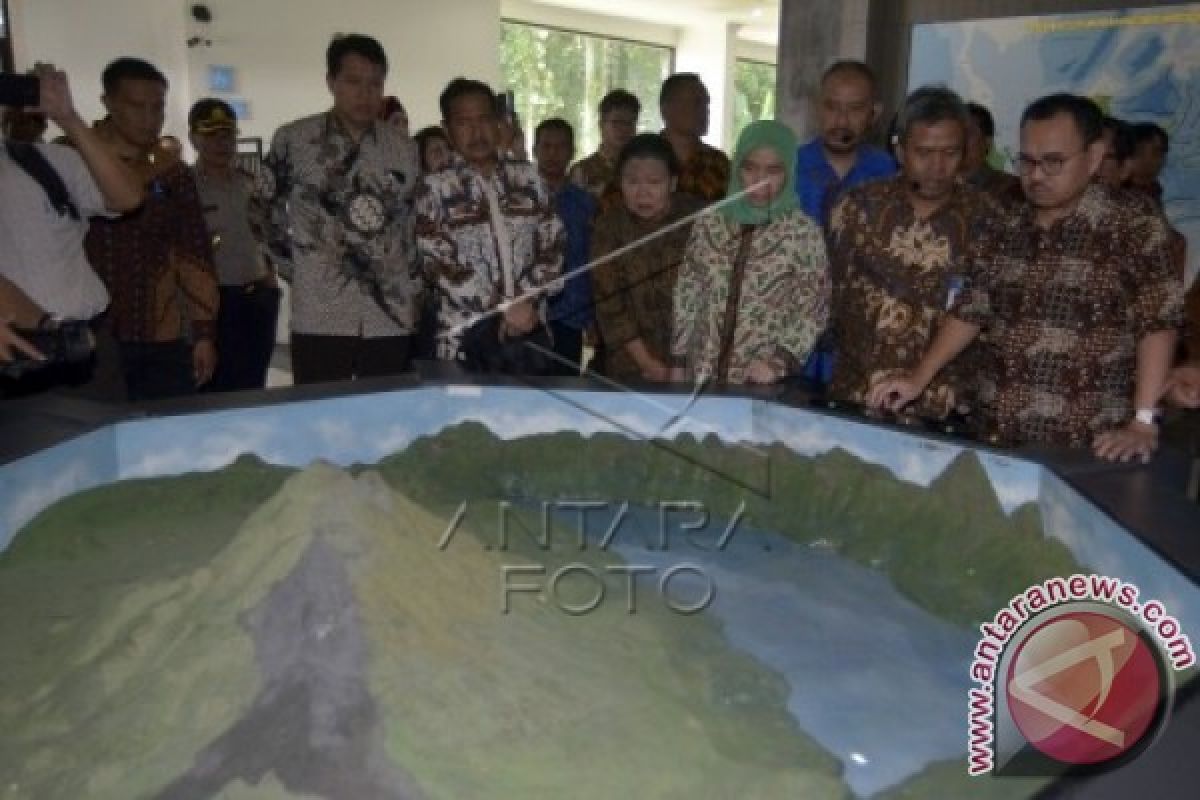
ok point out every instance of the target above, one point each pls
(1077, 295)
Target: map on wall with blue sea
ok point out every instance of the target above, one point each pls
(1141, 65)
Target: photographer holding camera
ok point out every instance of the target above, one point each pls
(12, 344)
(17, 311)
(48, 193)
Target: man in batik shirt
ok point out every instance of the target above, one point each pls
(487, 233)
(334, 207)
(1078, 297)
(619, 112)
(897, 249)
(684, 102)
(157, 263)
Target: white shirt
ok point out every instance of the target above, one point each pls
(41, 251)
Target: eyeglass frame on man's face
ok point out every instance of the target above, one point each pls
(221, 132)
(1052, 165)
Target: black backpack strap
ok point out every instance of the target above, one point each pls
(29, 158)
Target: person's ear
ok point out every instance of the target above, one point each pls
(106, 101)
(329, 82)
(674, 185)
(1095, 156)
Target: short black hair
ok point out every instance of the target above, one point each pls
(983, 118)
(1122, 137)
(553, 124)
(854, 68)
(1088, 117)
(359, 44)
(620, 99)
(130, 69)
(649, 145)
(929, 105)
(423, 138)
(1144, 132)
(461, 87)
(392, 105)
(674, 83)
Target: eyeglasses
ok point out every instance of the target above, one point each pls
(1051, 165)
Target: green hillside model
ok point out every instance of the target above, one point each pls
(950, 547)
(330, 648)
(261, 632)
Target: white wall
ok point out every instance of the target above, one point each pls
(81, 36)
(708, 50)
(276, 47)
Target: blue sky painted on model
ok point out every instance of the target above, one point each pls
(366, 428)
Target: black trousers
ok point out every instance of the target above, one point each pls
(568, 346)
(245, 337)
(157, 370)
(323, 359)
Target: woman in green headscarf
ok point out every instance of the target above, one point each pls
(753, 292)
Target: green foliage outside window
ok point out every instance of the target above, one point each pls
(754, 94)
(558, 73)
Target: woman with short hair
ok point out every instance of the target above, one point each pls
(642, 240)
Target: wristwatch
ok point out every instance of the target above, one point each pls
(1147, 416)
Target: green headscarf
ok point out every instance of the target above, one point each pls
(778, 137)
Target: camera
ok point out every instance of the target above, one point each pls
(67, 342)
(20, 91)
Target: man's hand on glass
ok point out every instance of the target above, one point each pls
(894, 393)
(204, 361)
(762, 371)
(1135, 440)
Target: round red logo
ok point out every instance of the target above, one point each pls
(1084, 688)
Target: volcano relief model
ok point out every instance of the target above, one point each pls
(263, 632)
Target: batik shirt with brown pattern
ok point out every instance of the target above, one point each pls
(895, 275)
(705, 174)
(782, 304)
(1064, 309)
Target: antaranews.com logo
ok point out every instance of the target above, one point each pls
(1074, 673)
